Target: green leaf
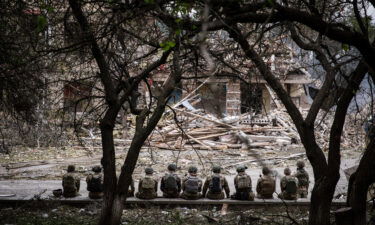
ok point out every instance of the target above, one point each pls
(345, 47)
(150, 1)
(178, 32)
(167, 45)
(42, 23)
(271, 2)
(50, 9)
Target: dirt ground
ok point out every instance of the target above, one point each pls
(50, 164)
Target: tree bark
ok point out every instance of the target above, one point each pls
(321, 198)
(364, 177)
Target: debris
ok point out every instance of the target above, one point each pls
(210, 219)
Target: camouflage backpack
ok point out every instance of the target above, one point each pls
(148, 183)
(267, 186)
(243, 181)
(94, 184)
(215, 184)
(192, 185)
(170, 183)
(291, 185)
(69, 183)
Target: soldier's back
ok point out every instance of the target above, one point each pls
(147, 188)
(267, 187)
(69, 185)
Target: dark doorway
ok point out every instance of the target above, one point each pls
(251, 98)
(213, 98)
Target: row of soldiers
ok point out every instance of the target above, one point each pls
(191, 187)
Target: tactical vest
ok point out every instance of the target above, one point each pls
(192, 185)
(69, 182)
(94, 183)
(215, 184)
(148, 183)
(291, 185)
(267, 186)
(170, 183)
(302, 177)
(243, 181)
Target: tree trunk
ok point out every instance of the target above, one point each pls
(358, 202)
(112, 211)
(364, 177)
(321, 198)
(110, 198)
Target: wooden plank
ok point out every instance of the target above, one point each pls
(169, 201)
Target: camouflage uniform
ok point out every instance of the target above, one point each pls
(283, 184)
(266, 185)
(191, 196)
(71, 183)
(170, 193)
(369, 129)
(210, 194)
(303, 182)
(149, 193)
(95, 194)
(243, 193)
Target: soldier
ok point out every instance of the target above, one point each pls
(95, 183)
(266, 185)
(171, 184)
(191, 185)
(242, 183)
(369, 129)
(303, 179)
(288, 186)
(148, 186)
(215, 185)
(70, 183)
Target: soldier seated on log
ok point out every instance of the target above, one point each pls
(148, 186)
(70, 183)
(95, 183)
(242, 183)
(265, 185)
(215, 184)
(170, 184)
(303, 179)
(288, 186)
(191, 185)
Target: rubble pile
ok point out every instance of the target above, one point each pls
(186, 129)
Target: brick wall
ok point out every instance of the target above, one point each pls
(233, 103)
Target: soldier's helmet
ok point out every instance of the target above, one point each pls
(216, 169)
(193, 169)
(287, 171)
(300, 164)
(266, 170)
(71, 168)
(241, 169)
(172, 167)
(149, 170)
(97, 169)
